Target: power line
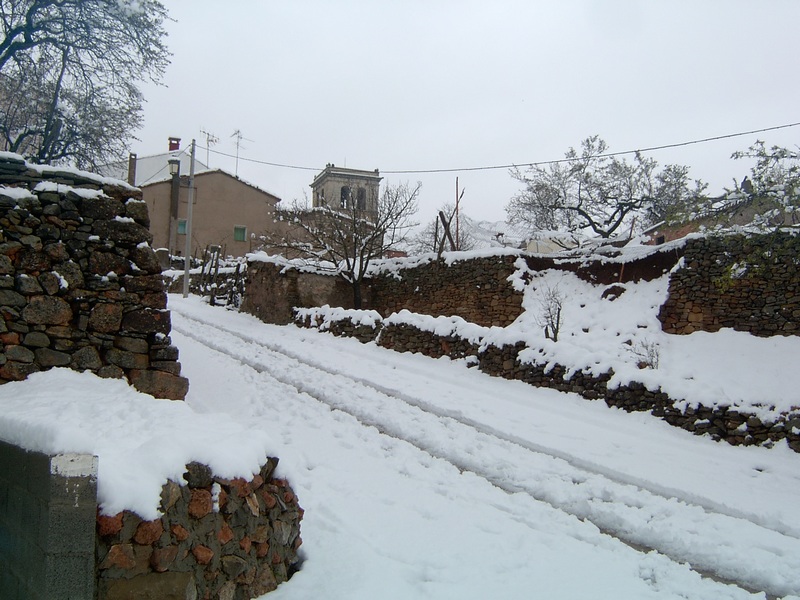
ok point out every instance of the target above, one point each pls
(525, 164)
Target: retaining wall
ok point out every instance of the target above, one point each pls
(745, 282)
(80, 286)
(218, 538)
(721, 422)
(48, 506)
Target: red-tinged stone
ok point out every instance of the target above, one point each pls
(148, 532)
(241, 487)
(288, 497)
(262, 549)
(119, 556)
(201, 503)
(269, 499)
(222, 498)
(225, 534)
(203, 554)
(162, 558)
(280, 482)
(245, 544)
(10, 338)
(297, 542)
(257, 482)
(276, 558)
(181, 533)
(109, 525)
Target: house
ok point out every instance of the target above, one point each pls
(226, 212)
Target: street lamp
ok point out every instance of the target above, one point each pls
(175, 171)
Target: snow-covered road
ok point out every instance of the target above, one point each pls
(507, 485)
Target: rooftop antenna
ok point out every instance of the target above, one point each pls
(211, 139)
(239, 137)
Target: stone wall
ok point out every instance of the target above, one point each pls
(48, 505)
(476, 289)
(272, 292)
(745, 282)
(219, 538)
(80, 286)
(722, 422)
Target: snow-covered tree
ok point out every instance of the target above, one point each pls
(591, 190)
(347, 239)
(69, 75)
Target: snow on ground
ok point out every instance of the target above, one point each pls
(422, 478)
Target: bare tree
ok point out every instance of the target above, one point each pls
(69, 72)
(433, 237)
(590, 189)
(349, 238)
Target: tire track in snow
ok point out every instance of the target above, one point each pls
(717, 545)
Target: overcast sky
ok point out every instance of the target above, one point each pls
(440, 84)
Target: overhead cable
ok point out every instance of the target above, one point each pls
(523, 164)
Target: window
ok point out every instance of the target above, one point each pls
(181, 226)
(239, 233)
(361, 202)
(345, 197)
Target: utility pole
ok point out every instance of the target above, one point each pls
(458, 227)
(188, 249)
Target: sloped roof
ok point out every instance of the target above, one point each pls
(150, 169)
(211, 172)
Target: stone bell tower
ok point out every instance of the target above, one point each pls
(347, 189)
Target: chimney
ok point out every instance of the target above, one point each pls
(174, 144)
(132, 169)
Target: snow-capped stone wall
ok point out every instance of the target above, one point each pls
(744, 282)
(218, 538)
(456, 339)
(476, 289)
(80, 286)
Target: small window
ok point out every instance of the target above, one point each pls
(181, 226)
(345, 197)
(361, 202)
(239, 233)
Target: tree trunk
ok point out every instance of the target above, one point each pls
(357, 294)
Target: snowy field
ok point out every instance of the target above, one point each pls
(423, 478)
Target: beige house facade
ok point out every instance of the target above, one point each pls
(226, 212)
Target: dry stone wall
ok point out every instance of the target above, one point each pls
(80, 286)
(228, 539)
(745, 282)
(720, 422)
(476, 289)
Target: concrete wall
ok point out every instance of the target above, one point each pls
(48, 507)
(221, 202)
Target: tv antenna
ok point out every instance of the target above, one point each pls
(239, 137)
(211, 139)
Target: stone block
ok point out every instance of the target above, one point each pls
(160, 384)
(152, 586)
(47, 310)
(147, 321)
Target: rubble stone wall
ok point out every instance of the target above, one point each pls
(721, 422)
(477, 290)
(218, 539)
(745, 282)
(80, 286)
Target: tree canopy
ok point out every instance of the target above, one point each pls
(349, 238)
(69, 75)
(592, 189)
